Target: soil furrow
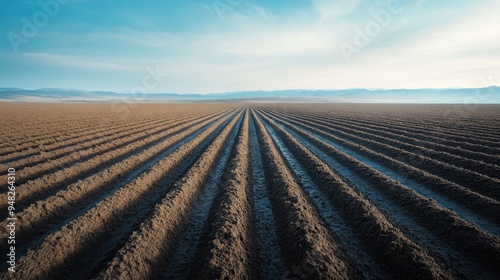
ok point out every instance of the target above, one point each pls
(307, 245)
(349, 240)
(476, 182)
(16, 145)
(64, 139)
(120, 137)
(475, 166)
(81, 155)
(272, 263)
(228, 250)
(39, 128)
(396, 252)
(417, 142)
(407, 129)
(443, 120)
(157, 235)
(45, 150)
(424, 142)
(78, 198)
(82, 120)
(220, 190)
(448, 133)
(482, 205)
(102, 122)
(50, 184)
(111, 220)
(444, 223)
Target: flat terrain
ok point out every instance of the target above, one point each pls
(252, 191)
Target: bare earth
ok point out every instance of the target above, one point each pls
(252, 191)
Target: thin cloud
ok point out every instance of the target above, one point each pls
(269, 45)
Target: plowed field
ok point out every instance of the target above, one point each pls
(251, 191)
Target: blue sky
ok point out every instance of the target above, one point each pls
(201, 46)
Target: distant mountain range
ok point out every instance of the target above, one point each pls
(465, 95)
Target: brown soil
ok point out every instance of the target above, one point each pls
(107, 194)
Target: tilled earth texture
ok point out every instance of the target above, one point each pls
(251, 191)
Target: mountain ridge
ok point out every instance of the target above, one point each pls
(426, 95)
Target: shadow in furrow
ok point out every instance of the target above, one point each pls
(421, 235)
(353, 247)
(186, 248)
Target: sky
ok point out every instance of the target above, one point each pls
(203, 46)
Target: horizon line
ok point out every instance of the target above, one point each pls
(259, 90)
